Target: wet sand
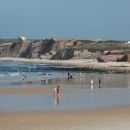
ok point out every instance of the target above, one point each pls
(34, 90)
(109, 118)
(114, 118)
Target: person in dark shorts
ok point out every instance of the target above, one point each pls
(99, 83)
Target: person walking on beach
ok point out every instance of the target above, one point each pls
(68, 76)
(99, 83)
(91, 83)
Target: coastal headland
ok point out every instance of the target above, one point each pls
(94, 55)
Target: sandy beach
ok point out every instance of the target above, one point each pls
(79, 63)
(102, 118)
(114, 118)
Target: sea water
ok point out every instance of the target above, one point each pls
(13, 72)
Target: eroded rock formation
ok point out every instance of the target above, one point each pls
(63, 49)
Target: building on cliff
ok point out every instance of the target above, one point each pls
(21, 39)
(129, 42)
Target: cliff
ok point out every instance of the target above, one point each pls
(63, 49)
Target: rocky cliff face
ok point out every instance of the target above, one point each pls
(112, 58)
(4, 49)
(49, 49)
(64, 54)
(64, 49)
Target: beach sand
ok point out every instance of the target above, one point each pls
(37, 90)
(110, 118)
(114, 118)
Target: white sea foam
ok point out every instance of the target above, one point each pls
(14, 74)
(2, 75)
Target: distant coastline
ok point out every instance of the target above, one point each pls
(96, 55)
(81, 64)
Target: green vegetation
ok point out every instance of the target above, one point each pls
(94, 46)
(2, 40)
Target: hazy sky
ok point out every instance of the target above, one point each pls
(107, 19)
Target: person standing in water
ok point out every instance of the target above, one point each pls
(91, 81)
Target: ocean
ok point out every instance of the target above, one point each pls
(13, 72)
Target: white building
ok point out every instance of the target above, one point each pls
(22, 38)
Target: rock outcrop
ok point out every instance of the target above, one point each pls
(4, 49)
(64, 54)
(63, 49)
(113, 58)
(18, 48)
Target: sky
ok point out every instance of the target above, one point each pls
(84, 19)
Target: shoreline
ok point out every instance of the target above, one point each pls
(78, 64)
